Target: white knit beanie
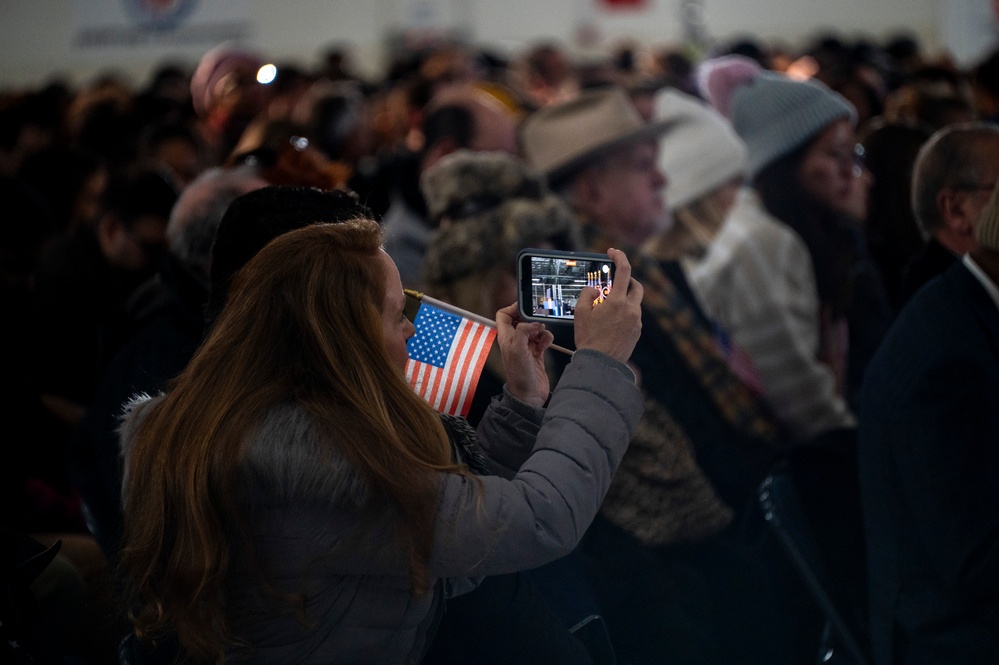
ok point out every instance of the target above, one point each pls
(700, 153)
(773, 114)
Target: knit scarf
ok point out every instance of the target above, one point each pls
(464, 448)
(697, 344)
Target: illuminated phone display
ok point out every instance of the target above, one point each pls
(550, 282)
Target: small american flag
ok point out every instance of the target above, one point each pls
(446, 357)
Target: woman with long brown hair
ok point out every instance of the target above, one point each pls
(291, 499)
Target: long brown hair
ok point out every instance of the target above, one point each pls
(830, 236)
(302, 324)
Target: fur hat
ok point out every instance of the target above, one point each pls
(772, 113)
(987, 230)
(559, 140)
(495, 206)
(700, 153)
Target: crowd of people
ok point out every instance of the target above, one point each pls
(212, 452)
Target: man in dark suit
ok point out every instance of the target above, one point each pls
(929, 467)
(951, 180)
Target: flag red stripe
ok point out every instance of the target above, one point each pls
(451, 389)
(467, 355)
(459, 366)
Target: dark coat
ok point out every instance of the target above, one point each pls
(929, 472)
(165, 326)
(931, 260)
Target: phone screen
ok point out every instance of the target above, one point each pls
(551, 284)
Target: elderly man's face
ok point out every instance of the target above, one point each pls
(624, 195)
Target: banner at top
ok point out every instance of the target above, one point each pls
(102, 24)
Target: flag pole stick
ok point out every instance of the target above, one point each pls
(447, 307)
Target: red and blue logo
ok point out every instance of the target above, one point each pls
(159, 15)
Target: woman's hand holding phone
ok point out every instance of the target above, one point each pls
(613, 326)
(522, 345)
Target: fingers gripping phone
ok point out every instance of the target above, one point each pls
(550, 281)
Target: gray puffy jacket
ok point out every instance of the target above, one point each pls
(353, 604)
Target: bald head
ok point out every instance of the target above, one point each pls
(195, 217)
(463, 116)
(953, 176)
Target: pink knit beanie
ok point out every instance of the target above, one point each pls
(773, 114)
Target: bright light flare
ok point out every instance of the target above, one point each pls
(266, 74)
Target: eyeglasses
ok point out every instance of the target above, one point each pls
(859, 154)
(266, 156)
(847, 158)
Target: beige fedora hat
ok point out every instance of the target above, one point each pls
(557, 140)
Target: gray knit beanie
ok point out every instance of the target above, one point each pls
(773, 114)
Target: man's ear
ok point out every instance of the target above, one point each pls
(955, 211)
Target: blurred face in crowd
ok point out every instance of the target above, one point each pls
(624, 194)
(87, 204)
(134, 249)
(962, 203)
(494, 128)
(181, 159)
(829, 167)
(860, 194)
(396, 328)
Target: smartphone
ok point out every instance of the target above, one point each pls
(550, 281)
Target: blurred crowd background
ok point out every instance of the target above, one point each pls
(91, 175)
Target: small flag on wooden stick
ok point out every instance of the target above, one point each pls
(447, 354)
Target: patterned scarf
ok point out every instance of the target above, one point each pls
(464, 448)
(697, 344)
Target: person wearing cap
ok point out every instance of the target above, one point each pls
(951, 180)
(929, 461)
(777, 276)
(678, 505)
(600, 156)
(706, 163)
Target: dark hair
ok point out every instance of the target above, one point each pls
(827, 234)
(158, 133)
(453, 121)
(334, 118)
(986, 73)
(893, 235)
(25, 227)
(146, 193)
(256, 218)
(58, 175)
(38, 109)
